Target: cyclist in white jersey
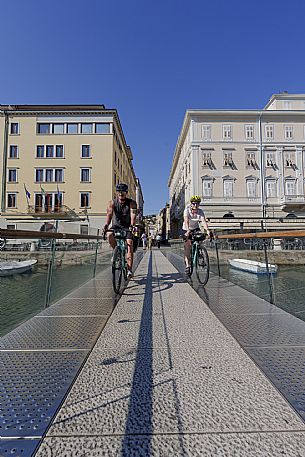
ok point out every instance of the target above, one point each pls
(193, 216)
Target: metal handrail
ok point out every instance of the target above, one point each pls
(11, 234)
(279, 234)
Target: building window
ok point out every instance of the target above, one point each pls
(49, 174)
(85, 175)
(249, 132)
(11, 226)
(85, 151)
(39, 175)
(84, 199)
(72, 129)
(270, 162)
(271, 188)
(14, 128)
(12, 175)
(251, 189)
(39, 151)
(58, 129)
(227, 159)
(13, 153)
(11, 200)
(49, 151)
(269, 131)
(251, 160)
(288, 132)
(290, 187)
(289, 159)
(59, 151)
(206, 159)
(59, 175)
(287, 104)
(207, 188)
(86, 128)
(43, 129)
(84, 229)
(206, 132)
(102, 128)
(228, 189)
(227, 132)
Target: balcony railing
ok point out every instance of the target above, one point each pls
(52, 212)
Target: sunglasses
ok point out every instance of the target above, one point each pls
(195, 203)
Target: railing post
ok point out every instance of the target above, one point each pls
(217, 256)
(269, 274)
(50, 268)
(96, 250)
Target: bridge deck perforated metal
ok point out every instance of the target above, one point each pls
(85, 307)
(17, 448)
(286, 368)
(40, 359)
(54, 333)
(32, 385)
(266, 332)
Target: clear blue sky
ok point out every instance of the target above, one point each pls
(151, 60)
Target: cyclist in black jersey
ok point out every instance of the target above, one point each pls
(122, 213)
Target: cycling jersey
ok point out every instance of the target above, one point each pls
(193, 219)
(121, 213)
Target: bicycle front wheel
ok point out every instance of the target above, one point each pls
(202, 266)
(117, 269)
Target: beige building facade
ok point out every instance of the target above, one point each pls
(61, 162)
(243, 163)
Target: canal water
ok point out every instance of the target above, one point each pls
(23, 295)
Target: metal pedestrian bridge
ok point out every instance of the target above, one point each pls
(166, 369)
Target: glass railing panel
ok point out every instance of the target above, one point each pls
(103, 258)
(22, 294)
(286, 288)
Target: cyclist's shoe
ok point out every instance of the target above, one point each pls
(187, 271)
(129, 274)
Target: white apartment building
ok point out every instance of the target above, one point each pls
(244, 163)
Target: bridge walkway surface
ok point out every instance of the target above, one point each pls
(174, 371)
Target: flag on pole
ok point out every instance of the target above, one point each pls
(58, 193)
(42, 190)
(27, 193)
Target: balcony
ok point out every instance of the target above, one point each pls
(57, 212)
(293, 203)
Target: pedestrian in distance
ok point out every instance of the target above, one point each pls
(149, 242)
(121, 214)
(158, 240)
(144, 240)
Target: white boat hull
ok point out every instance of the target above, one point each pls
(252, 266)
(14, 267)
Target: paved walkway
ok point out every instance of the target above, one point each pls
(166, 378)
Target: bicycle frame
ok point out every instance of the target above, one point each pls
(119, 263)
(200, 261)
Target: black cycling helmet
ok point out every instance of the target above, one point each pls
(122, 187)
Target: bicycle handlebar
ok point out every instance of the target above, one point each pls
(114, 230)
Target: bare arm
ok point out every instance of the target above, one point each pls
(133, 212)
(186, 222)
(205, 224)
(109, 212)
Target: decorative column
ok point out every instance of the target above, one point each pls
(195, 168)
(280, 172)
(299, 170)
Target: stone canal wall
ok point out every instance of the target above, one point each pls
(61, 257)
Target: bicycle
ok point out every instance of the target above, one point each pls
(119, 263)
(199, 258)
